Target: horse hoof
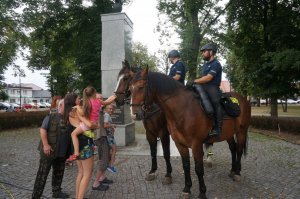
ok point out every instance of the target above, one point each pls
(237, 178)
(185, 195)
(207, 163)
(150, 176)
(202, 196)
(231, 174)
(167, 180)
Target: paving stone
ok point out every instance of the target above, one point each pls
(271, 170)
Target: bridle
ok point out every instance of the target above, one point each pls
(144, 105)
(124, 95)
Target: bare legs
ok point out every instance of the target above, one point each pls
(85, 170)
(75, 140)
(100, 175)
(113, 155)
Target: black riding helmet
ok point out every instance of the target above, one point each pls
(173, 54)
(209, 47)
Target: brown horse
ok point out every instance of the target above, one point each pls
(188, 123)
(154, 123)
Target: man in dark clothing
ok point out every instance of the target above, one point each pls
(54, 150)
(210, 81)
(177, 70)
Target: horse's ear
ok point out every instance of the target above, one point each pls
(125, 64)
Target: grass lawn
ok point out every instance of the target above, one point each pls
(292, 110)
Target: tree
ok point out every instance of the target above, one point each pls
(194, 20)
(142, 58)
(3, 95)
(162, 62)
(11, 36)
(263, 38)
(66, 39)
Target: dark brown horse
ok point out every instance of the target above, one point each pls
(154, 123)
(188, 123)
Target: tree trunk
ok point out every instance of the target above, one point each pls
(274, 105)
(195, 44)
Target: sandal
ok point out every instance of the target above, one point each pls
(72, 158)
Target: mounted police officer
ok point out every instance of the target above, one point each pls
(210, 82)
(177, 70)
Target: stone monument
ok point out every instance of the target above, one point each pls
(116, 46)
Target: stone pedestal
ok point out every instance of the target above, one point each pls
(116, 46)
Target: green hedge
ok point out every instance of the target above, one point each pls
(286, 124)
(35, 118)
(21, 119)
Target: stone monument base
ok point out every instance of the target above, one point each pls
(125, 134)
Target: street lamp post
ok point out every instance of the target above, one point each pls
(20, 91)
(19, 72)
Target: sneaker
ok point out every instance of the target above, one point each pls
(112, 169)
(60, 194)
(106, 181)
(101, 187)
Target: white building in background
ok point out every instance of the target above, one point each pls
(27, 93)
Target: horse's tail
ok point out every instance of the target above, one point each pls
(245, 149)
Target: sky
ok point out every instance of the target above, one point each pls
(143, 14)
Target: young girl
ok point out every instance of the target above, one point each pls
(88, 114)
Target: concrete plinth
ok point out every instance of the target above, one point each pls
(124, 134)
(116, 46)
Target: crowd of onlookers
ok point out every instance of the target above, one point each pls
(76, 129)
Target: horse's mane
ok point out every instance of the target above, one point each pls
(162, 83)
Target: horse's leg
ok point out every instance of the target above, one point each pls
(152, 140)
(185, 158)
(198, 158)
(240, 148)
(208, 160)
(232, 147)
(165, 141)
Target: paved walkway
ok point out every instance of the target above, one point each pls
(271, 170)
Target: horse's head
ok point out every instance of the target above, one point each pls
(122, 89)
(140, 96)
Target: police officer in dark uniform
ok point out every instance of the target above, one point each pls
(210, 81)
(177, 70)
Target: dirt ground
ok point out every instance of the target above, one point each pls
(289, 137)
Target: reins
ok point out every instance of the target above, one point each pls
(144, 105)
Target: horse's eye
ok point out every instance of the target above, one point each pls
(140, 88)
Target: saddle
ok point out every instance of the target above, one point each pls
(229, 104)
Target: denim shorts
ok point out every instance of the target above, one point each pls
(111, 140)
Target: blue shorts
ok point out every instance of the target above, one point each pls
(111, 140)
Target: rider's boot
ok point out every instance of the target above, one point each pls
(218, 122)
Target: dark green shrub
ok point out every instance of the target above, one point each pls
(21, 119)
(286, 124)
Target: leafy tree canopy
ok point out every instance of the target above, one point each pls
(142, 58)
